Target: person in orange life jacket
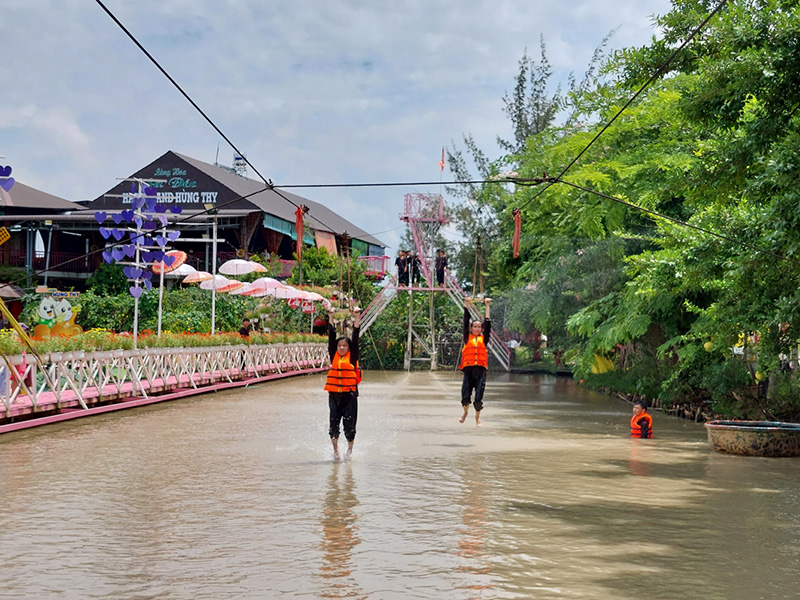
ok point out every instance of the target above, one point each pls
(641, 422)
(474, 360)
(342, 383)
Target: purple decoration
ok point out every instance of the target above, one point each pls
(173, 235)
(117, 253)
(137, 203)
(127, 215)
(129, 250)
(161, 208)
(147, 275)
(150, 191)
(118, 234)
(163, 220)
(117, 218)
(107, 256)
(157, 255)
(133, 188)
(161, 240)
(5, 171)
(150, 226)
(150, 204)
(175, 209)
(148, 284)
(135, 291)
(169, 259)
(105, 232)
(147, 256)
(138, 221)
(7, 184)
(100, 216)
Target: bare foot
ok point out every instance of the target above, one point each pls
(336, 457)
(464, 416)
(478, 419)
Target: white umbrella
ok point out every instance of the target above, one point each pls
(237, 266)
(183, 271)
(258, 267)
(208, 284)
(260, 287)
(197, 277)
(231, 286)
(287, 292)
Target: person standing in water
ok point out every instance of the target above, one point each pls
(474, 360)
(641, 422)
(342, 383)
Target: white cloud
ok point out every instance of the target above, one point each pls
(311, 91)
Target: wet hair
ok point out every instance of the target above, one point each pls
(346, 339)
(641, 403)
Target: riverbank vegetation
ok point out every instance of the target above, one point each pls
(671, 245)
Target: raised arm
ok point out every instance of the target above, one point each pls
(354, 351)
(487, 323)
(331, 335)
(467, 320)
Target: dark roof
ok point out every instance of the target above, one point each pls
(84, 215)
(23, 196)
(268, 201)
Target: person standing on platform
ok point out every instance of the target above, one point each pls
(415, 265)
(342, 383)
(441, 266)
(641, 422)
(474, 360)
(402, 268)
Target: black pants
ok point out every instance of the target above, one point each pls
(440, 277)
(474, 379)
(344, 408)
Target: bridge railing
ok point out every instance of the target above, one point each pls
(78, 380)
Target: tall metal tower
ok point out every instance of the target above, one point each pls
(425, 215)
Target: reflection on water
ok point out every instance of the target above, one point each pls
(235, 496)
(339, 535)
(474, 502)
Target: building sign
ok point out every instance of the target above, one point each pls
(177, 182)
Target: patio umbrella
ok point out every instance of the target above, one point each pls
(261, 287)
(197, 277)
(208, 284)
(237, 266)
(183, 271)
(258, 267)
(231, 286)
(287, 292)
(178, 261)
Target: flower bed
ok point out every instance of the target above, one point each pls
(103, 340)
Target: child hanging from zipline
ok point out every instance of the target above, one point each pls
(342, 383)
(474, 360)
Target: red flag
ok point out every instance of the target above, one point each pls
(517, 229)
(441, 162)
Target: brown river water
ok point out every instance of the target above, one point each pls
(235, 495)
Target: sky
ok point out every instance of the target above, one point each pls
(345, 91)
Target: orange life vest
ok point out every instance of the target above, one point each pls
(636, 428)
(343, 376)
(474, 353)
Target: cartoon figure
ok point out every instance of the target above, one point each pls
(46, 314)
(65, 314)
